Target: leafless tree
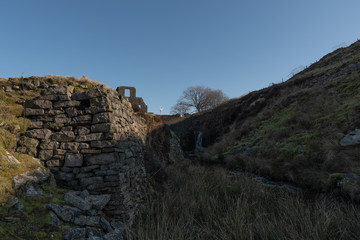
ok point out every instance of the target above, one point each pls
(198, 99)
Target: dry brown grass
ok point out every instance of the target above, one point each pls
(203, 203)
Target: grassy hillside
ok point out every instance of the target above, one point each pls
(290, 131)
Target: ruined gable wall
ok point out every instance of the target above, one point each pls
(90, 140)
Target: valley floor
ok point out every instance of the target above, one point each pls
(203, 203)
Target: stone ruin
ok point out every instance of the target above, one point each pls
(91, 141)
(138, 101)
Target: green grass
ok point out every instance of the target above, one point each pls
(33, 222)
(204, 203)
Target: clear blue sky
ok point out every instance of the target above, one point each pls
(163, 46)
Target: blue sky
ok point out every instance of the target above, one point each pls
(164, 46)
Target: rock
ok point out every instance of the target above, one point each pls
(104, 127)
(10, 158)
(87, 95)
(45, 154)
(64, 104)
(104, 117)
(92, 234)
(58, 90)
(39, 133)
(32, 191)
(34, 112)
(77, 201)
(35, 124)
(98, 201)
(352, 138)
(105, 225)
(54, 220)
(118, 225)
(39, 175)
(82, 131)
(70, 146)
(63, 136)
(74, 233)
(48, 144)
(115, 235)
(38, 104)
(64, 176)
(91, 180)
(73, 160)
(104, 158)
(89, 137)
(65, 213)
(83, 220)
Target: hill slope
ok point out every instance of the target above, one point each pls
(290, 131)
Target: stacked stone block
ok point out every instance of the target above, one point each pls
(90, 140)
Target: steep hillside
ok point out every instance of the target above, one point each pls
(290, 131)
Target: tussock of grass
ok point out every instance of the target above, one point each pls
(203, 203)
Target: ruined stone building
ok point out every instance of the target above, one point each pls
(138, 101)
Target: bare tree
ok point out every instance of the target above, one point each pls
(198, 99)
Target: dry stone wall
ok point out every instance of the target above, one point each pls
(90, 140)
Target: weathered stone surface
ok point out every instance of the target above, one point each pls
(103, 158)
(352, 138)
(34, 112)
(82, 119)
(103, 144)
(74, 233)
(39, 133)
(75, 200)
(53, 163)
(89, 137)
(62, 120)
(90, 168)
(83, 220)
(64, 104)
(83, 131)
(90, 151)
(70, 146)
(45, 154)
(38, 104)
(65, 213)
(73, 160)
(98, 201)
(87, 95)
(59, 152)
(35, 124)
(32, 191)
(48, 144)
(30, 144)
(103, 127)
(58, 90)
(105, 225)
(54, 220)
(115, 235)
(64, 176)
(87, 181)
(63, 136)
(104, 117)
(72, 112)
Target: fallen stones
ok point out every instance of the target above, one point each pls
(74, 199)
(86, 212)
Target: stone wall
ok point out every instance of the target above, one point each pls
(90, 140)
